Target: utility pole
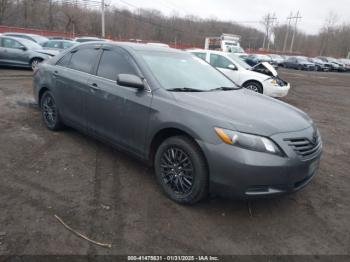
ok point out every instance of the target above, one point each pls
(297, 17)
(103, 32)
(268, 22)
(287, 33)
(273, 18)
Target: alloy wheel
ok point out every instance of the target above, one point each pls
(253, 88)
(177, 170)
(49, 110)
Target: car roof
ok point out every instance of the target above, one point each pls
(209, 51)
(19, 39)
(60, 40)
(87, 37)
(134, 46)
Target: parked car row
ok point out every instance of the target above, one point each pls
(320, 63)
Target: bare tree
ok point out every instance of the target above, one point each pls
(4, 4)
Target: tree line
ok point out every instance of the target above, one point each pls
(151, 25)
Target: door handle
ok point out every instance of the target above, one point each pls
(55, 74)
(94, 87)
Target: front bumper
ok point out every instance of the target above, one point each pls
(241, 173)
(275, 90)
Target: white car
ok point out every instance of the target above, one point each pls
(262, 78)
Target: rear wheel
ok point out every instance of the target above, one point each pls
(254, 86)
(49, 111)
(181, 170)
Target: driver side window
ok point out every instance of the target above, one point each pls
(10, 43)
(219, 61)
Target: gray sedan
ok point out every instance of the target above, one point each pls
(181, 115)
(20, 52)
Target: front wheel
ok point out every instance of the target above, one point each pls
(34, 63)
(254, 86)
(181, 170)
(49, 111)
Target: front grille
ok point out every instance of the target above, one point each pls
(305, 147)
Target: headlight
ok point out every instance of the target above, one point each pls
(274, 82)
(247, 141)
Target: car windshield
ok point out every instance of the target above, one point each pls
(31, 45)
(331, 59)
(275, 56)
(303, 59)
(39, 39)
(239, 61)
(185, 71)
(263, 57)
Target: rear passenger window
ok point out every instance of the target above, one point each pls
(84, 59)
(64, 61)
(114, 63)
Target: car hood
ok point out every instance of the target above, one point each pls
(246, 111)
(47, 52)
(265, 68)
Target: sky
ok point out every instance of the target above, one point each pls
(249, 12)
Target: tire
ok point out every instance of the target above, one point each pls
(253, 86)
(181, 170)
(49, 112)
(300, 67)
(34, 62)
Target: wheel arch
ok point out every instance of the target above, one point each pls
(254, 81)
(40, 94)
(36, 57)
(165, 133)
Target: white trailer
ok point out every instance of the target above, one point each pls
(222, 43)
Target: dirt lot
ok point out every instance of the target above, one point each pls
(113, 198)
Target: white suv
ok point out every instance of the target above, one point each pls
(267, 83)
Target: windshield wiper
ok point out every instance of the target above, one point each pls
(185, 89)
(223, 88)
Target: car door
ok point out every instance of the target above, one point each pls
(117, 113)
(2, 53)
(225, 66)
(13, 52)
(71, 75)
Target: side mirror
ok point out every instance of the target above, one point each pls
(130, 81)
(232, 67)
(23, 48)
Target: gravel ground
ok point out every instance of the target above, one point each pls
(113, 198)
